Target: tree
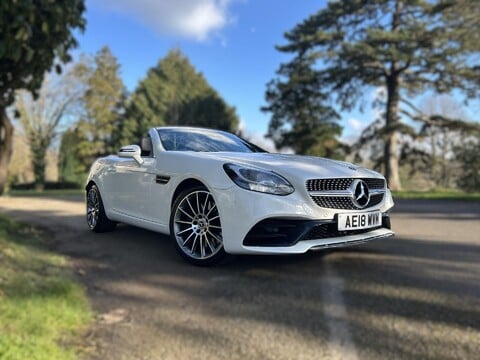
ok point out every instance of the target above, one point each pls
(426, 152)
(103, 102)
(442, 140)
(301, 120)
(468, 155)
(70, 167)
(40, 118)
(34, 36)
(19, 169)
(174, 93)
(407, 47)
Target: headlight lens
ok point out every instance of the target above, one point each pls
(258, 180)
(389, 199)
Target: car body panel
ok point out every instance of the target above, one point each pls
(142, 195)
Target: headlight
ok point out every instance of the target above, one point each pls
(258, 180)
(389, 199)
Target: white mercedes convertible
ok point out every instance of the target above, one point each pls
(216, 194)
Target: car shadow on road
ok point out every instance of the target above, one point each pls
(398, 293)
(430, 284)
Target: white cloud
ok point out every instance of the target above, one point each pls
(354, 128)
(260, 140)
(195, 19)
(378, 96)
(256, 137)
(241, 125)
(355, 124)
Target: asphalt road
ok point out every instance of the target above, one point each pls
(414, 296)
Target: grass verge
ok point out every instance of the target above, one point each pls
(47, 193)
(43, 311)
(437, 195)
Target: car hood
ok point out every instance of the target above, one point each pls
(296, 166)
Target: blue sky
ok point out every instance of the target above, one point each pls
(230, 41)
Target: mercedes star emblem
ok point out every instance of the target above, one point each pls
(360, 193)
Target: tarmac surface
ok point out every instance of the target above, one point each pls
(414, 296)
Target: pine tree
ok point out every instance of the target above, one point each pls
(174, 93)
(103, 103)
(70, 167)
(301, 118)
(405, 46)
(468, 156)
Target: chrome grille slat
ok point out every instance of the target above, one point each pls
(333, 193)
(341, 184)
(334, 202)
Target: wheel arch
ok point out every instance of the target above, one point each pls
(186, 184)
(90, 184)
(187, 187)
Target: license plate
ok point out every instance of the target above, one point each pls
(357, 221)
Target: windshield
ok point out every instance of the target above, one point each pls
(204, 140)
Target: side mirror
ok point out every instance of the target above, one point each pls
(131, 151)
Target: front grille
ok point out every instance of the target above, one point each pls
(341, 184)
(375, 199)
(330, 231)
(334, 202)
(340, 201)
(344, 202)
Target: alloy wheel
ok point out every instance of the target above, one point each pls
(93, 208)
(196, 225)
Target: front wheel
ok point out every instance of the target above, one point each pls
(195, 227)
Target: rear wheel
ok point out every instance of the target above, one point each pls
(195, 227)
(97, 219)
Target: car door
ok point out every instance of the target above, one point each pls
(131, 186)
(141, 190)
(132, 182)
(157, 208)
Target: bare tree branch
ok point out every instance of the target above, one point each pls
(41, 118)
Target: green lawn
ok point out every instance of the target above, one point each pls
(43, 311)
(438, 195)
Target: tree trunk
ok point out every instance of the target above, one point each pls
(391, 140)
(433, 156)
(38, 148)
(6, 146)
(391, 118)
(391, 162)
(445, 173)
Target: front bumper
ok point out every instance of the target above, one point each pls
(320, 244)
(244, 215)
(278, 232)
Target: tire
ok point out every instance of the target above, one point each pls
(97, 219)
(195, 227)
